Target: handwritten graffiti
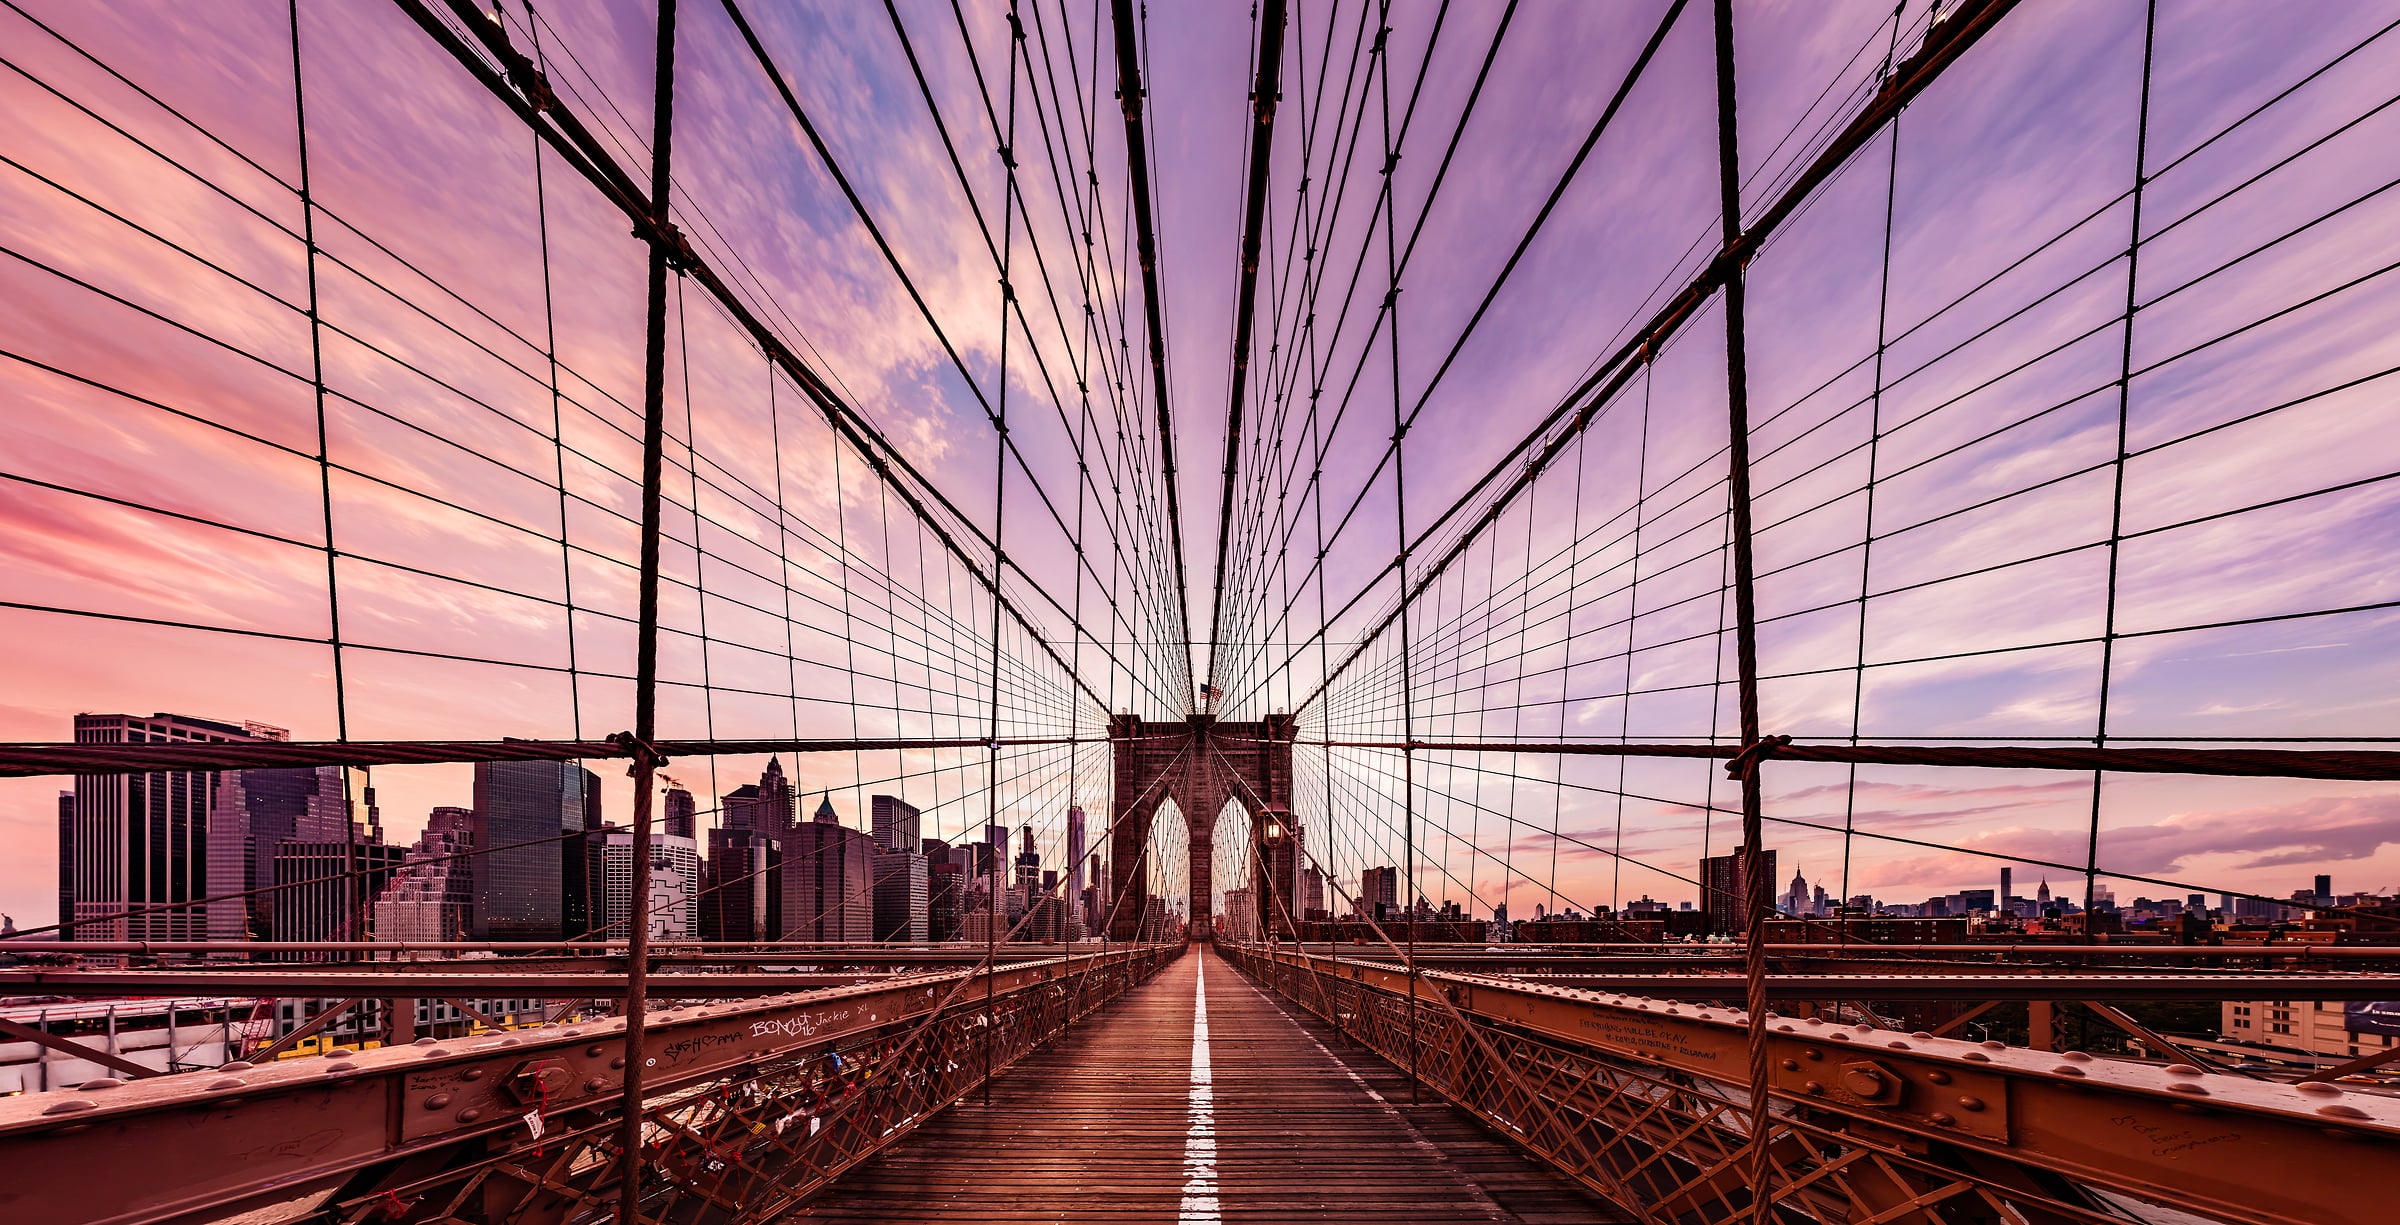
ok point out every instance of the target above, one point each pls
(2171, 1140)
(676, 1050)
(805, 1026)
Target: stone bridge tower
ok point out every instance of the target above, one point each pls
(1201, 763)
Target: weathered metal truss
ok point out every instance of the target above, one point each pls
(1642, 1101)
(748, 1107)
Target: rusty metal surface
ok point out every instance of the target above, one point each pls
(428, 1122)
(1718, 985)
(405, 979)
(1639, 1099)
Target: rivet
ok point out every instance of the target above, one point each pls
(437, 1101)
(101, 1082)
(2182, 1069)
(1791, 1065)
(72, 1105)
(2339, 1111)
(1839, 1037)
(1922, 1035)
(595, 1050)
(1994, 1046)
(2314, 1088)
(594, 1085)
(237, 1065)
(1938, 1076)
(1942, 1120)
(473, 1073)
(436, 1053)
(1813, 1054)
(422, 1042)
(2076, 1057)
(1814, 1087)
(1970, 1104)
(2067, 1069)
(339, 1053)
(2185, 1086)
(1976, 1057)
(617, 1062)
(230, 1082)
(1897, 1046)
(470, 1114)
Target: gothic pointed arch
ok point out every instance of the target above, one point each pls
(1202, 765)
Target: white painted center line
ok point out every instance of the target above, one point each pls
(1200, 1141)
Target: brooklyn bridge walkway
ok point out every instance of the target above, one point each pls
(1199, 1098)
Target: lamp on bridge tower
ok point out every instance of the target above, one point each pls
(1275, 854)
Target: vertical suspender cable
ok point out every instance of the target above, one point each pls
(1408, 760)
(1008, 215)
(645, 692)
(2116, 521)
(356, 891)
(1866, 546)
(1737, 407)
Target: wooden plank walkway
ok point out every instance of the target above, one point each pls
(1265, 1117)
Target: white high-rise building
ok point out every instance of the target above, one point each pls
(674, 886)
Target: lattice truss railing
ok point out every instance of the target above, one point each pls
(750, 1144)
(1634, 1111)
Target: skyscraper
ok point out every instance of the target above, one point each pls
(768, 805)
(254, 814)
(896, 823)
(1022, 890)
(828, 880)
(902, 895)
(945, 891)
(1724, 894)
(533, 871)
(741, 887)
(2006, 903)
(778, 801)
(1379, 892)
(683, 813)
(1074, 851)
(432, 896)
(141, 840)
(320, 892)
(674, 910)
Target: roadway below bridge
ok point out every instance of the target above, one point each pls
(1200, 1098)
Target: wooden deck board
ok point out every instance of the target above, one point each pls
(1096, 1128)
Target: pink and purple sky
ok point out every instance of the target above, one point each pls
(164, 522)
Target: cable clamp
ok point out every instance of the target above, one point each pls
(661, 232)
(534, 85)
(645, 754)
(1745, 763)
